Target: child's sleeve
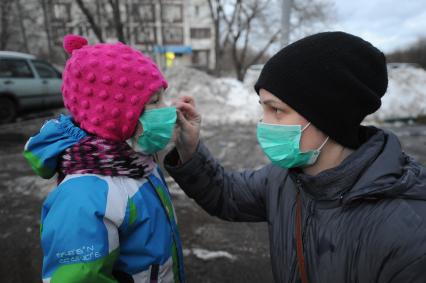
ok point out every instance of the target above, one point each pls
(79, 232)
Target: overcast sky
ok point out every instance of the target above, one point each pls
(387, 24)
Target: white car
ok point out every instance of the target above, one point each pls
(27, 83)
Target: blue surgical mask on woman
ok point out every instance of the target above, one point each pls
(281, 144)
(158, 126)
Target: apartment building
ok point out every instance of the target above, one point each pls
(182, 28)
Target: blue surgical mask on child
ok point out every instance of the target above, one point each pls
(281, 144)
(158, 126)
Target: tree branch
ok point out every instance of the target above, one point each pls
(96, 29)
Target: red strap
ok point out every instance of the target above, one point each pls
(299, 241)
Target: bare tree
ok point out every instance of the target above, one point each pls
(415, 53)
(97, 26)
(19, 9)
(237, 25)
(308, 14)
(118, 24)
(243, 24)
(97, 30)
(5, 21)
(45, 4)
(216, 9)
(240, 28)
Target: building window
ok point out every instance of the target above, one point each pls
(199, 33)
(145, 35)
(172, 35)
(143, 12)
(110, 31)
(62, 12)
(172, 13)
(200, 58)
(197, 10)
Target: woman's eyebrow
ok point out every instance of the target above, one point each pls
(270, 102)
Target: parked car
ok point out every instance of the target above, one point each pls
(27, 83)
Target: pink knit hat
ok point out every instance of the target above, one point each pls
(106, 86)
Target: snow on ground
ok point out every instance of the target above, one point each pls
(29, 185)
(219, 100)
(405, 97)
(224, 100)
(209, 255)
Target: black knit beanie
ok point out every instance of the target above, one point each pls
(333, 79)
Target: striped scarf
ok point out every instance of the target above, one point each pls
(95, 155)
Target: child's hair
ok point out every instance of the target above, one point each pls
(106, 86)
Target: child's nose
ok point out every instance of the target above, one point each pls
(162, 105)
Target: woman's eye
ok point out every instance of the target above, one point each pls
(277, 111)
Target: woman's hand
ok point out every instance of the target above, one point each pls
(187, 134)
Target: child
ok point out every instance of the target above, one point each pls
(110, 219)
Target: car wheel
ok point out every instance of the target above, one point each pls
(8, 110)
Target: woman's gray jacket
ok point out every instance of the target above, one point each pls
(363, 221)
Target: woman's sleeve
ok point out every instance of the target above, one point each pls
(233, 196)
(79, 235)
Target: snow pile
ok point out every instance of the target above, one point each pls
(209, 255)
(405, 97)
(219, 100)
(226, 100)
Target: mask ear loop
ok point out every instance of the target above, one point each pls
(323, 144)
(304, 128)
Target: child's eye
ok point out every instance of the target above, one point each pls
(154, 101)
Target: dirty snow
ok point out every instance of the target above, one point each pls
(30, 185)
(219, 100)
(405, 97)
(209, 255)
(226, 100)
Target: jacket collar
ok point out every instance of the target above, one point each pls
(335, 183)
(378, 169)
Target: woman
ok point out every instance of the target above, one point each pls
(110, 219)
(342, 201)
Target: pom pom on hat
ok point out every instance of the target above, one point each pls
(73, 42)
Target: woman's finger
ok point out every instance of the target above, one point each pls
(187, 109)
(188, 99)
(181, 121)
